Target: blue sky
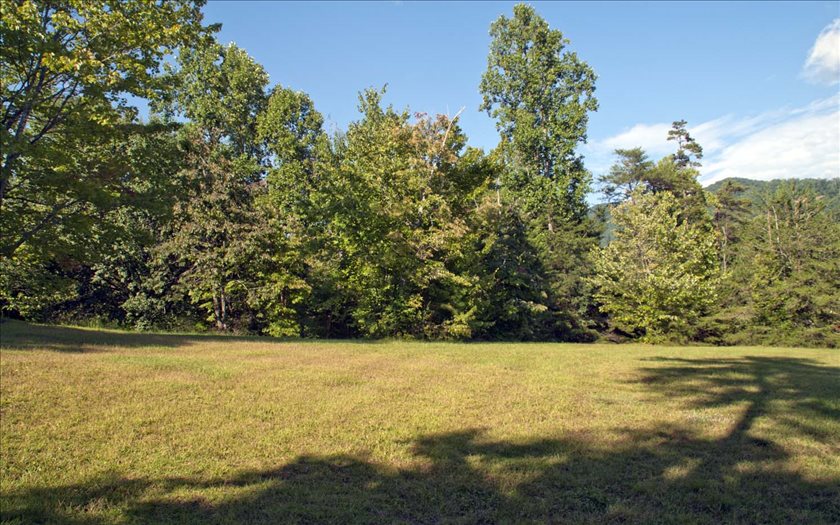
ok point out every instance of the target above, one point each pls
(757, 82)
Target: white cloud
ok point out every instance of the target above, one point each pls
(599, 154)
(823, 63)
(713, 135)
(649, 137)
(788, 142)
(805, 146)
(799, 142)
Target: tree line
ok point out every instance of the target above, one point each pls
(231, 208)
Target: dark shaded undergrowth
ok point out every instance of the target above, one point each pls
(19, 335)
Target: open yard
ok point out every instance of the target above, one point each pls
(112, 427)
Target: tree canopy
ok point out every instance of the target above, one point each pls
(229, 207)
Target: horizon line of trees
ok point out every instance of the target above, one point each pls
(232, 209)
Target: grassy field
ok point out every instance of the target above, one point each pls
(112, 427)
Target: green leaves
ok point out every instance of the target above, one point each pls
(538, 92)
(687, 146)
(238, 211)
(67, 67)
(217, 226)
(782, 273)
(793, 246)
(660, 273)
(399, 199)
(222, 90)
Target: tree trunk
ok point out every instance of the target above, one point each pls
(219, 311)
(724, 244)
(224, 311)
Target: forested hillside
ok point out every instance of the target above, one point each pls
(830, 188)
(231, 208)
(754, 190)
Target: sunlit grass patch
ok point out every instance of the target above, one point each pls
(139, 428)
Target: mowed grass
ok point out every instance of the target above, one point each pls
(113, 427)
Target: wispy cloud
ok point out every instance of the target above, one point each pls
(650, 137)
(823, 63)
(805, 145)
(801, 142)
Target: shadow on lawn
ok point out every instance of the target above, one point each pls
(668, 474)
(19, 335)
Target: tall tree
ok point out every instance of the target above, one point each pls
(291, 211)
(783, 273)
(730, 214)
(540, 95)
(222, 91)
(126, 282)
(793, 258)
(509, 299)
(106, 254)
(674, 173)
(399, 207)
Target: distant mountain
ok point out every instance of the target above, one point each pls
(827, 188)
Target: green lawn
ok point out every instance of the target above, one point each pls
(113, 427)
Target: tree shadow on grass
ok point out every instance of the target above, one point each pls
(799, 392)
(18, 335)
(666, 474)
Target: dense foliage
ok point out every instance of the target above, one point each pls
(230, 208)
(658, 276)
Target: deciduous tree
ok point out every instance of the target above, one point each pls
(540, 94)
(67, 67)
(660, 273)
